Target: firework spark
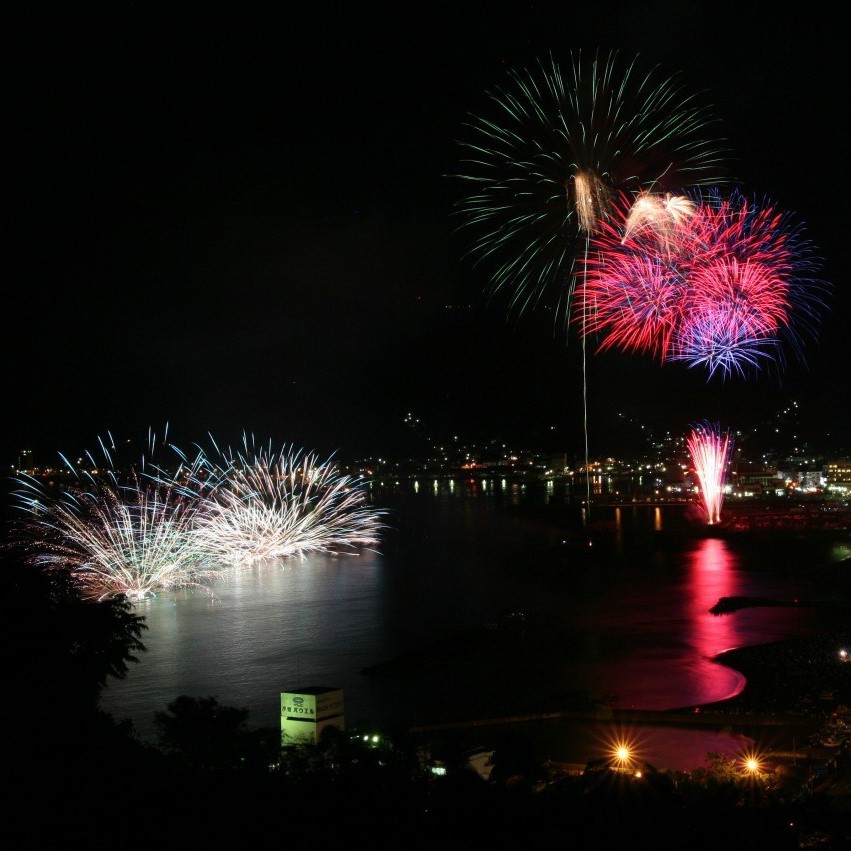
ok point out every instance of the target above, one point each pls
(118, 531)
(282, 504)
(545, 167)
(710, 452)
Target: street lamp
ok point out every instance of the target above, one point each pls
(753, 774)
(622, 755)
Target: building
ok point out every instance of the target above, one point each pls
(306, 713)
(751, 480)
(837, 474)
(801, 477)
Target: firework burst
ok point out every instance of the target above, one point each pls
(544, 168)
(281, 504)
(754, 291)
(118, 531)
(710, 452)
(716, 282)
(631, 291)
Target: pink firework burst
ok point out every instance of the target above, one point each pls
(710, 452)
(714, 282)
(750, 286)
(749, 294)
(733, 316)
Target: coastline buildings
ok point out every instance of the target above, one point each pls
(668, 477)
(661, 470)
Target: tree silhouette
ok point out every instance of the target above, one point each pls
(58, 652)
(59, 649)
(201, 732)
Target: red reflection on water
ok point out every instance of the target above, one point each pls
(713, 573)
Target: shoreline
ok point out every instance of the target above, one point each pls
(794, 676)
(797, 692)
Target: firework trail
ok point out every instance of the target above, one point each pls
(281, 504)
(544, 168)
(713, 282)
(119, 531)
(710, 452)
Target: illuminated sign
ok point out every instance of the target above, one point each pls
(305, 714)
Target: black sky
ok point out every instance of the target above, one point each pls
(237, 218)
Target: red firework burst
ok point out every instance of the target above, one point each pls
(632, 289)
(709, 282)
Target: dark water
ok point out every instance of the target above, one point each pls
(627, 617)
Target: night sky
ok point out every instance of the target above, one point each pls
(238, 218)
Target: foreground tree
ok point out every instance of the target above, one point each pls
(58, 653)
(59, 650)
(201, 733)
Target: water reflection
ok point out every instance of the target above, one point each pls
(631, 619)
(618, 529)
(712, 574)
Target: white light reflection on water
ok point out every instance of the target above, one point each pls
(267, 628)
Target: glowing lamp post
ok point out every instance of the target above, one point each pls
(622, 756)
(753, 773)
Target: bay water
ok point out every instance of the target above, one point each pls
(616, 609)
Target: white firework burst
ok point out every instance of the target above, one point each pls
(118, 532)
(278, 505)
